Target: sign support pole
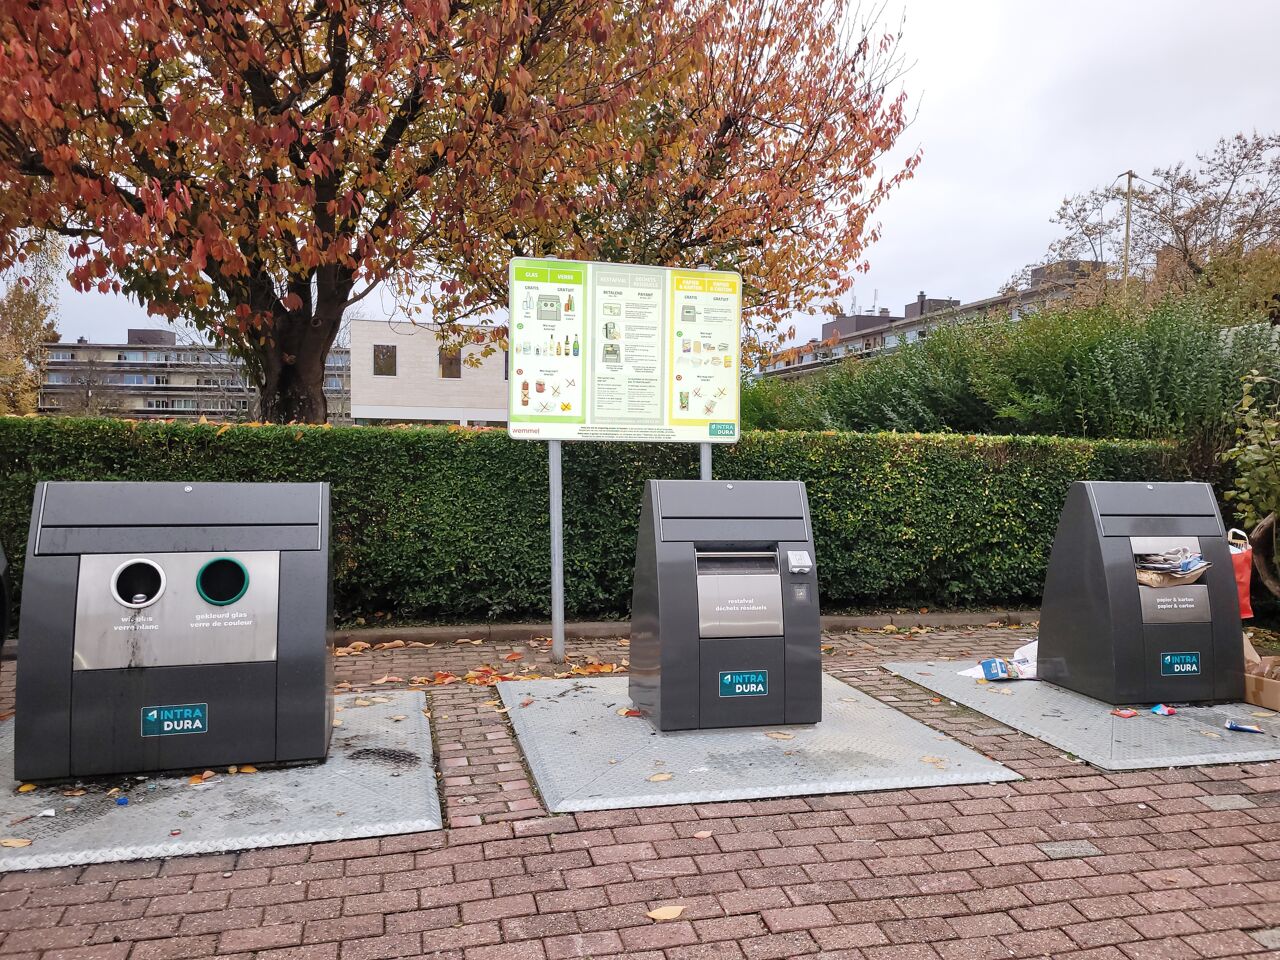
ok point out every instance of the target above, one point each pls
(557, 552)
(705, 456)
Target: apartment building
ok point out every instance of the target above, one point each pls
(404, 373)
(152, 376)
(865, 335)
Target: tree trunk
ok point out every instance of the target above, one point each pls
(291, 368)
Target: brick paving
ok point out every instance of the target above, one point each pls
(1071, 862)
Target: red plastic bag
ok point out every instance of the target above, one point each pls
(1242, 562)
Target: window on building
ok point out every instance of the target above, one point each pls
(333, 383)
(159, 380)
(57, 378)
(384, 360)
(130, 356)
(450, 364)
(159, 404)
(184, 403)
(61, 355)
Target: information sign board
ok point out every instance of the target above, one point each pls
(601, 351)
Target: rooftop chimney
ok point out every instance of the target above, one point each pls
(82, 340)
(884, 311)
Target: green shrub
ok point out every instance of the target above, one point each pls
(1172, 372)
(447, 525)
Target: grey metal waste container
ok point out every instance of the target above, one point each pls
(1105, 635)
(168, 625)
(724, 611)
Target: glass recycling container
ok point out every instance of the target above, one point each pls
(1108, 636)
(725, 629)
(167, 626)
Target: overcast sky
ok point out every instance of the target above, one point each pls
(1019, 104)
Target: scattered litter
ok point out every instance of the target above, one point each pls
(80, 793)
(122, 801)
(1124, 713)
(26, 788)
(1161, 710)
(1243, 727)
(665, 913)
(1021, 666)
(175, 833)
(526, 701)
(47, 812)
(628, 712)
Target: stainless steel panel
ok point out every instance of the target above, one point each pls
(1163, 544)
(1188, 604)
(739, 605)
(179, 627)
(743, 500)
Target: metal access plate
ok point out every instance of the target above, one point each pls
(1084, 727)
(379, 781)
(585, 756)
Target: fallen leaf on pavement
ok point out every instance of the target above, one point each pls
(398, 718)
(17, 842)
(26, 788)
(73, 793)
(780, 735)
(627, 712)
(248, 768)
(702, 834)
(389, 645)
(388, 678)
(526, 701)
(513, 656)
(665, 913)
(659, 777)
(361, 702)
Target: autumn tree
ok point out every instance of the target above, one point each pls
(28, 320)
(767, 158)
(1213, 223)
(257, 166)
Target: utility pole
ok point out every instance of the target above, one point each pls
(1128, 216)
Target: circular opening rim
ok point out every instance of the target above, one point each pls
(115, 583)
(244, 587)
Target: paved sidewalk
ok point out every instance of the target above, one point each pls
(1069, 863)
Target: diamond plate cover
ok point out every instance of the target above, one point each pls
(585, 756)
(1084, 727)
(379, 781)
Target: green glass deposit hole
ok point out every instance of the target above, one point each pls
(222, 581)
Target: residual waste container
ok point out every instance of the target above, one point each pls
(724, 612)
(174, 625)
(1104, 634)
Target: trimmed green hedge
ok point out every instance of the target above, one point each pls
(448, 525)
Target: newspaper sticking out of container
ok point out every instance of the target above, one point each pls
(1021, 666)
(1172, 568)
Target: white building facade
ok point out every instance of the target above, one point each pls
(404, 373)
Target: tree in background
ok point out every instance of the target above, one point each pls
(1255, 459)
(258, 167)
(28, 318)
(766, 161)
(1212, 226)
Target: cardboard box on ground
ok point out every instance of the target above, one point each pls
(1261, 678)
